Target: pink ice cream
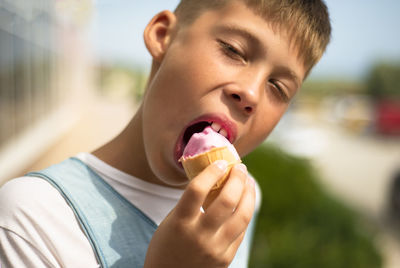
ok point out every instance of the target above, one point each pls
(206, 140)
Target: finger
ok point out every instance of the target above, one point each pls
(230, 253)
(197, 190)
(227, 199)
(241, 217)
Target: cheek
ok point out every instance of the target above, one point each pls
(262, 125)
(200, 66)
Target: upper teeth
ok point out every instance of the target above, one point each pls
(217, 128)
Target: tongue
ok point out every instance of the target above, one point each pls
(206, 140)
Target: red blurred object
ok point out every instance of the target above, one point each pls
(388, 117)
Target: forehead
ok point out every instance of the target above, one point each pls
(237, 20)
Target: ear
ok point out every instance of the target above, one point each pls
(158, 33)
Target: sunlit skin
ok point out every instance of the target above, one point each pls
(228, 66)
(202, 69)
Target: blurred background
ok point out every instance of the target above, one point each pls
(72, 74)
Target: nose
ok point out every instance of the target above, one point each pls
(245, 95)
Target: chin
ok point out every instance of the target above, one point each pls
(172, 176)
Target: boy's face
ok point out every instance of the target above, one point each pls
(228, 67)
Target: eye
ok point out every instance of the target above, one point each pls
(278, 88)
(232, 52)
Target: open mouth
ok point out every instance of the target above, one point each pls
(198, 127)
(195, 128)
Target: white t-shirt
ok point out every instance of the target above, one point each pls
(39, 229)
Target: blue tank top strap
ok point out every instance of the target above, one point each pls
(118, 231)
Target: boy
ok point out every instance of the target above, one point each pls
(231, 64)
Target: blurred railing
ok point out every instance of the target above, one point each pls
(44, 73)
(27, 66)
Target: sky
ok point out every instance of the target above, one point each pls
(364, 32)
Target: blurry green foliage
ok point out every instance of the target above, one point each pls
(323, 88)
(383, 80)
(300, 225)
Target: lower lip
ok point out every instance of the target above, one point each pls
(178, 154)
(179, 151)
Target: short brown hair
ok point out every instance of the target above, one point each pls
(306, 22)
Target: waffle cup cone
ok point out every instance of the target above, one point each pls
(195, 164)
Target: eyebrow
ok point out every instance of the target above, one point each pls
(236, 29)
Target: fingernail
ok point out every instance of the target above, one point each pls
(242, 168)
(221, 164)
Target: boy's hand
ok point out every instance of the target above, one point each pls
(190, 238)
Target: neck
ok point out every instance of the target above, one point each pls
(126, 152)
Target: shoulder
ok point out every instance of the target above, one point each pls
(37, 213)
(30, 205)
(25, 193)
(27, 196)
